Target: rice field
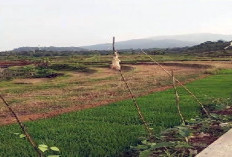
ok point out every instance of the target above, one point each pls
(110, 130)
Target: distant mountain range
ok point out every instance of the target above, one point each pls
(51, 48)
(169, 41)
(141, 43)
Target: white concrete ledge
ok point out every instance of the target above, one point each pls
(222, 147)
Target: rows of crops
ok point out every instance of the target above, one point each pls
(111, 129)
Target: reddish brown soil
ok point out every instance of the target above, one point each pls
(200, 143)
(14, 63)
(224, 112)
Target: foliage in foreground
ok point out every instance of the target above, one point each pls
(110, 130)
(190, 138)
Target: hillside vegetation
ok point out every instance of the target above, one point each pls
(207, 48)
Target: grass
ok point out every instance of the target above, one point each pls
(12, 87)
(127, 58)
(75, 88)
(109, 130)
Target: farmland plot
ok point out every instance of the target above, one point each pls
(109, 130)
(43, 97)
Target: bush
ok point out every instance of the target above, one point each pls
(30, 71)
(69, 67)
(45, 72)
(21, 71)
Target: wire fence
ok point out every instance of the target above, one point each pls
(140, 113)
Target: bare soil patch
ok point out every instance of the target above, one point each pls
(5, 64)
(224, 112)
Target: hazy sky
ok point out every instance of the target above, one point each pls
(84, 22)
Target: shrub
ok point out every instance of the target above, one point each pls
(30, 71)
(21, 71)
(45, 72)
(69, 67)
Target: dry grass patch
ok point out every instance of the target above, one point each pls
(81, 90)
(30, 81)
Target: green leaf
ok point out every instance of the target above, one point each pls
(16, 133)
(55, 149)
(184, 131)
(144, 142)
(163, 144)
(214, 115)
(152, 145)
(145, 153)
(43, 147)
(22, 136)
(182, 145)
(141, 147)
(53, 156)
